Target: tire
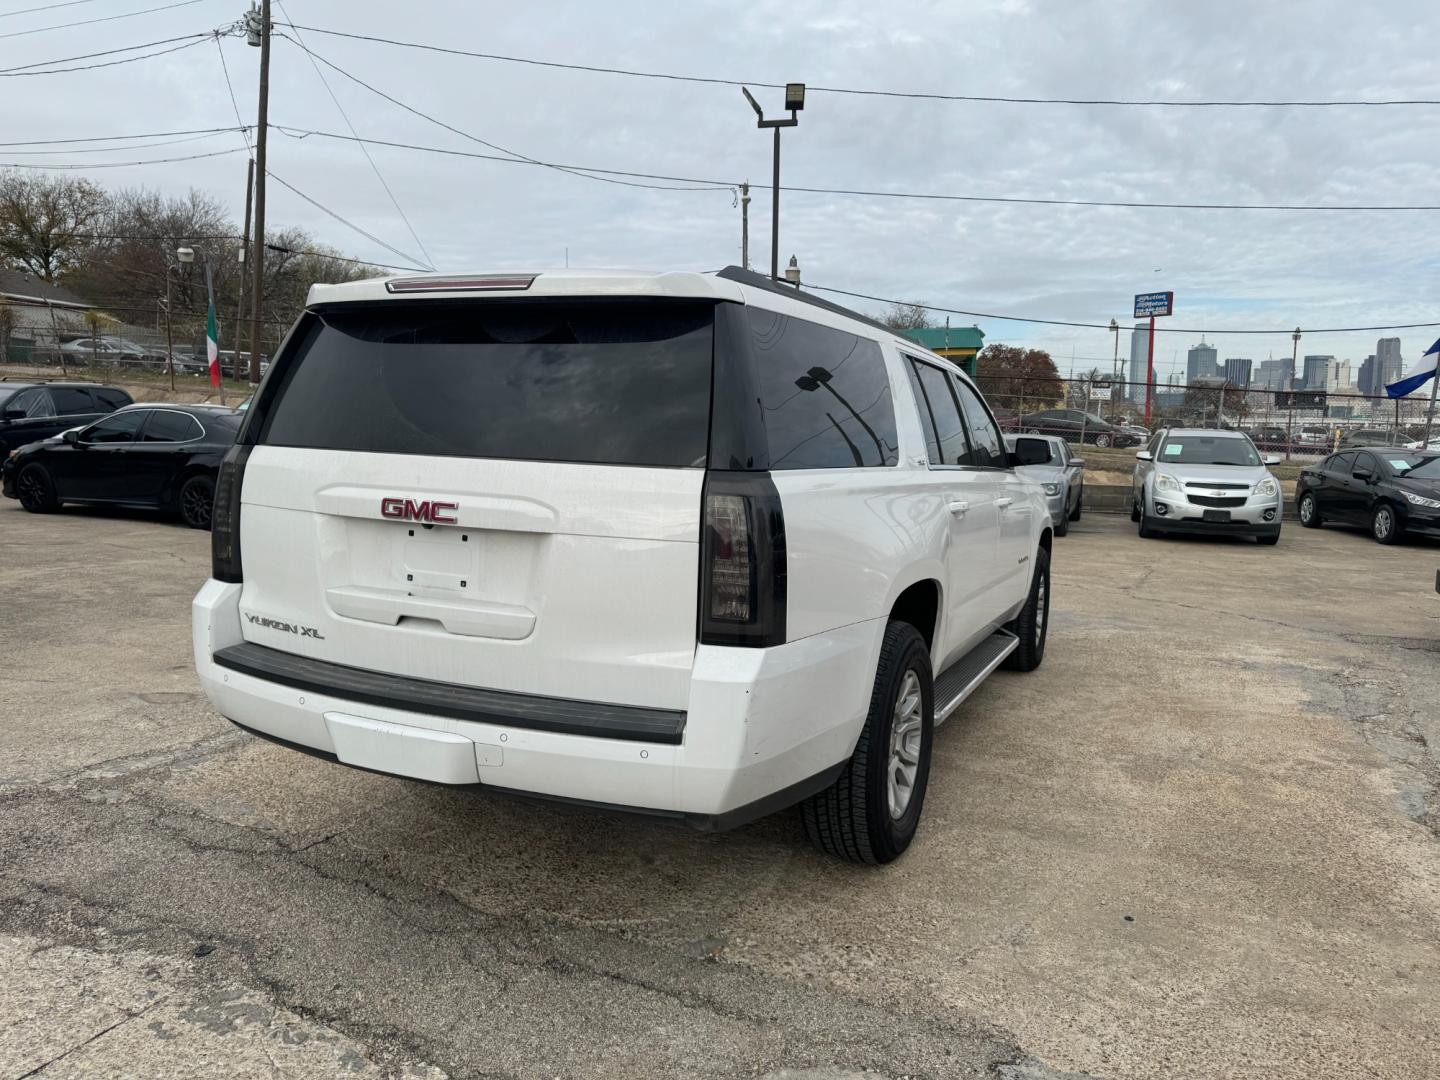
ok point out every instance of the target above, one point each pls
(1102, 440)
(197, 502)
(1134, 509)
(1309, 510)
(1385, 524)
(1062, 527)
(1079, 504)
(36, 490)
(1268, 541)
(854, 818)
(1032, 625)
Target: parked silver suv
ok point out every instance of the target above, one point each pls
(1197, 480)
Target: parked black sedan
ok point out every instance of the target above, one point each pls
(161, 457)
(1075, 425)
(33, 411)
(1390, 491)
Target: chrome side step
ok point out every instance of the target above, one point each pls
(959, 680)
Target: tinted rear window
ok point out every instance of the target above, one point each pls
(615, 383)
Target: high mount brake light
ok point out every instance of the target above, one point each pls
(468, 283)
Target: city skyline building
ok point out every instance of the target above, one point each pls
(1238, 370)
(1201, 362)
(1315, 374)
(1389, 365)
(1139, 352)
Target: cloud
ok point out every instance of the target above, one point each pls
(1229, 270)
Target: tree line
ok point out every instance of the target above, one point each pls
(115, 250)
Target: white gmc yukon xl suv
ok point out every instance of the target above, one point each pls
(695, 545)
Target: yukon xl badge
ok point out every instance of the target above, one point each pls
(289, 628)
(410, 510)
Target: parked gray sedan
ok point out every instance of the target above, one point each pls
(1198, 480)
(1047, 460)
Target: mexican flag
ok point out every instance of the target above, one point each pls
(212, 346)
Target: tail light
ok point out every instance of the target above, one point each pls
(225, 517)
(743, 564)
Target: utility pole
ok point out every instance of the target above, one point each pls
(1115, 368)
(1290, 397)
(244, 265)
(745, 225)
(262, 124)
(169, 343)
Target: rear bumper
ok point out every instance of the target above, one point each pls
(763, 727)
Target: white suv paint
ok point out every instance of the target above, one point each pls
(685, 544)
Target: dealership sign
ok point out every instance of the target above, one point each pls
(1148, 305)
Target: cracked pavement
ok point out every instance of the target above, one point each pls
(1200, 841)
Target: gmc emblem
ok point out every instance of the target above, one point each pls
(410, 510)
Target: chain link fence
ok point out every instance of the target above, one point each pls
(1298, 424)
(110, 351)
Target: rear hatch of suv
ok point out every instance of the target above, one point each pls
(501, 493)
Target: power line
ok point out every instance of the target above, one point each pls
(514, 155)
(36, 69)
(1106, 326)
(104, 52)
(45, 7)
(909, 95)
(124, 147)
(344, 221)
(116, 138)
(116, 164)
(105, 19)
(363, 148)
(727, 185)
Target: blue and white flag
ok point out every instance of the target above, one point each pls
(1417, 376)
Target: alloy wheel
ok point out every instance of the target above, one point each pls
(196, 504)
(905, 730)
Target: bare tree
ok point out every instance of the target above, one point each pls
(45, 221)
(907, 317)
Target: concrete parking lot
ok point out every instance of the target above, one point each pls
(1200, 841)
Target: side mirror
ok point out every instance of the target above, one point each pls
(1144, 455)
(70, 437)
(13, 414)
(1364, 474)
(1270, 459)
(1012, 460)
(1077, 462)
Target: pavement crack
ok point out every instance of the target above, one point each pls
(129, 1016)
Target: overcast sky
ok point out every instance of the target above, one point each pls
(1228, 269)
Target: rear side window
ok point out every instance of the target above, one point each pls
(168, 426)
(109, 398)
(824, 395)
(614, 383)
(70, 400)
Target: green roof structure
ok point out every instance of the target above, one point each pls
(940, 339)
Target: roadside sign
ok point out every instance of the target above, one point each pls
(1148, 305)
(1300, 399)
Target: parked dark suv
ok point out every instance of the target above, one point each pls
(30, 412)
(1075, 426)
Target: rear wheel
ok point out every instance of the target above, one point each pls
(1102, 439)
(1310, 511)
(1033, 622)
(1385, 525)
(197, 501)
(870, 814)
(36, 490)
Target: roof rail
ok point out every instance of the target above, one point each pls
(760, 281)
(22, 378)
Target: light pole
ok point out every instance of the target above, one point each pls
(1290, 386)
(794, 101)
(1115, 376)
(170, 268)
(212, 337)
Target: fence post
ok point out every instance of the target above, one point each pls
(1020, 412)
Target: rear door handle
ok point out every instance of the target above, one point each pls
(1004, 504)
(959, 508)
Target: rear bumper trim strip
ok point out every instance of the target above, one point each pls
(561, 715)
